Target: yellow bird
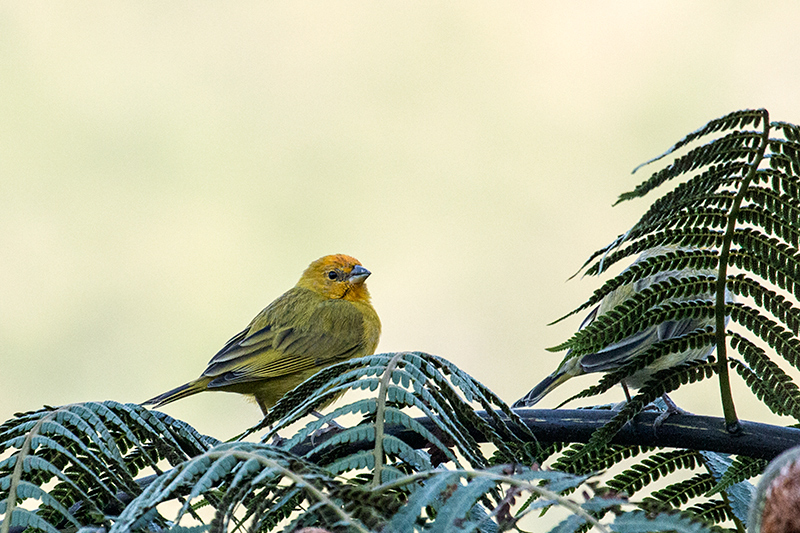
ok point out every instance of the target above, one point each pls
(622, 352)
(324, 319)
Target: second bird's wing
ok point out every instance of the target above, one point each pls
(623, 351)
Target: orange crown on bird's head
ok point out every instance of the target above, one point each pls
(336, 277)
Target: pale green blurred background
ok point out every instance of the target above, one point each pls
(169, 168)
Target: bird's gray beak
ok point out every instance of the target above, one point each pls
(359, 274)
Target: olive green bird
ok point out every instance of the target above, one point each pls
(624, 351)
(324, 319)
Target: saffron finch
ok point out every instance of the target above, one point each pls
(324, 319)
(624, 351)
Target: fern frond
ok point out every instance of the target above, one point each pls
(693, 341)
(248, 469)
(431, 384)
(636, 314)
(737, 145)
(641, 522)
(91, 452)
(791, 131)
(696, 237)
(662, 382)
(772, 302)
(445, 501)
(775, 199)
(737, 495)
(680, 493)
(578, 460)
(778, 338)
(652, 468)
(737, 119)
(712, 511)
(742, 468)
(766, 379)
(771, 223)
(768, 257)
(707, 189)
(691, 260)
(786, 150)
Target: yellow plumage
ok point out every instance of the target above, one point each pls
(324, 319)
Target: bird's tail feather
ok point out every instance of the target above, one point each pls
(187, 389)
(543, 388)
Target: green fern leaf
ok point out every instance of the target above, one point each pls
(678, 494)
(737, 145)
(577, 459)
(454, 513)
(738, 495)
(769, 382)
(742, 468)
(660, 383)
(712, 511)
(651, 468)
(29, 520)
(641, 522)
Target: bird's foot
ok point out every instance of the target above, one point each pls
(324, 433)
(672, 409)
(333, 427)
(277, 440)
(332, 424)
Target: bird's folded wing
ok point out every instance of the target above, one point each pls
(334, 332)
(677, 328)
(619, 353)
(625, 350)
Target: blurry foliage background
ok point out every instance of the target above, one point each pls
(167, 169)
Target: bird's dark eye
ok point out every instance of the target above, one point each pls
(333, 274)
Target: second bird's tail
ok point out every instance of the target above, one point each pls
(544, 387)
(188, 389)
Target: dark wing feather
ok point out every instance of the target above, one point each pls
(619, 353)
(271, 347)
(626, 349)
